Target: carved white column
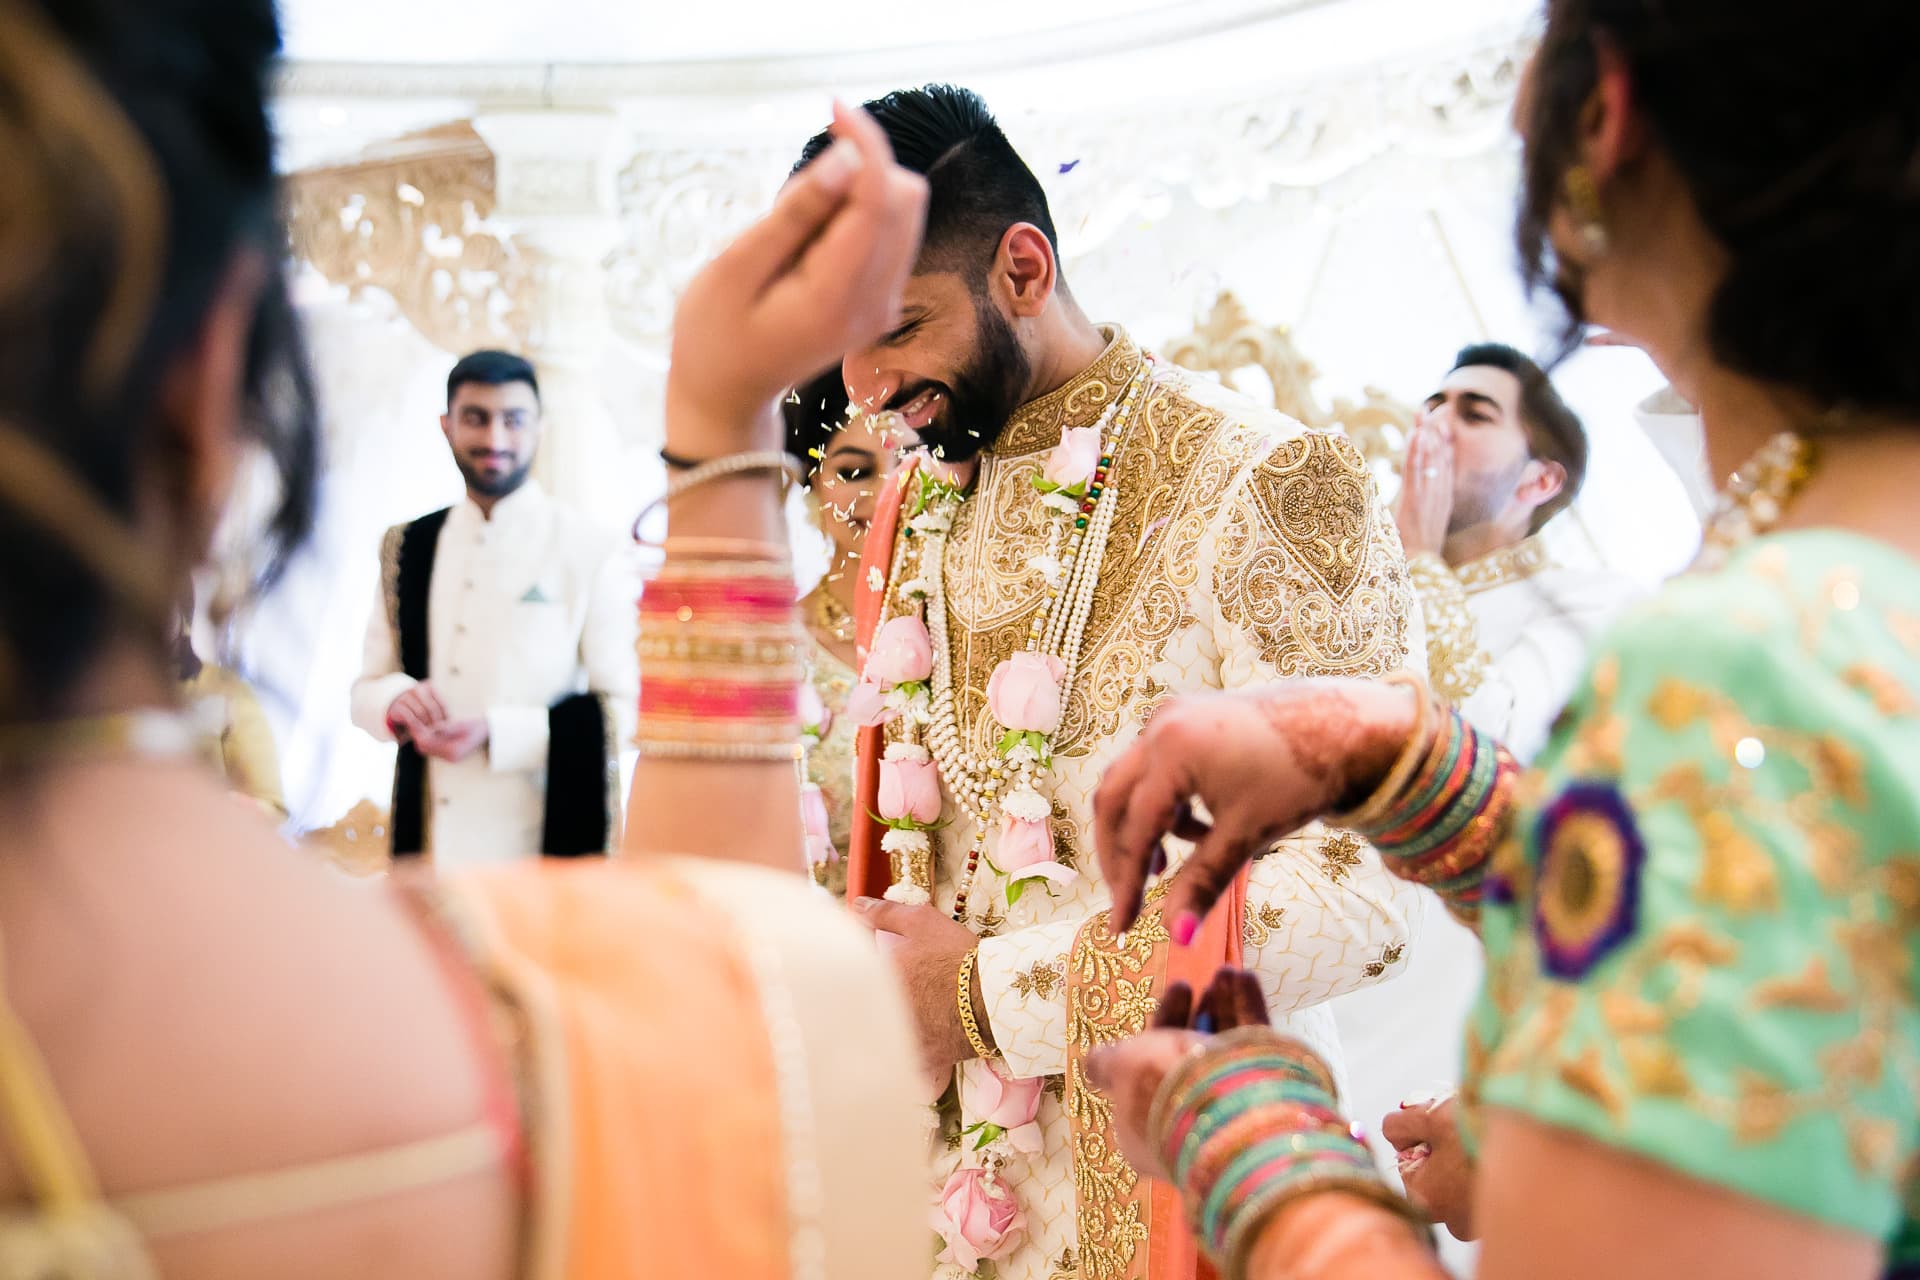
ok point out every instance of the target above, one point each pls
(554, 192)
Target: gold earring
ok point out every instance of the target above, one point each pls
(1583, 201)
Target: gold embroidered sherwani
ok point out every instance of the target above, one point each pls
(1245, 548)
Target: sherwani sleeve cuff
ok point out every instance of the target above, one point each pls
(1023, 978)
(517, 739)
(371, 698)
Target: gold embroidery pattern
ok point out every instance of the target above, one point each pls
(1262, 919)
(1516, 563)
(1339, 854)
(1664, 979)
(1308, 570)
(1167, 478)
(1065, 1267)
(1389, 956)
(1110, 996)
(1041, 979)
(1456, 665)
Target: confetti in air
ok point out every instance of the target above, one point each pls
(1069, 166)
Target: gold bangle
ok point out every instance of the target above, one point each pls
(721, 752)
(700, 569)
(1412, 752)
(742, 548)
(968, 1024)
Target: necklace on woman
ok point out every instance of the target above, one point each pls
(830, 617)
(1756, 497)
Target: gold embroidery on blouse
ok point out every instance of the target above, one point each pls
(1065, 1267)
(1810, 990)
(1339, 854)
(1587, 1075)
(1890, 697)
(1736, 874)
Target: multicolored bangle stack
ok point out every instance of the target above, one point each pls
(1248, 1126)
(1442, 826)
(721, 659)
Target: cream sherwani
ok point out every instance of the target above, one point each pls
(1245, 549)
(523, 609)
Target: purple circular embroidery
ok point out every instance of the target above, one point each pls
(1586, 898)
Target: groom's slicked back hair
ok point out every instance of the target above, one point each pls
(977, 184)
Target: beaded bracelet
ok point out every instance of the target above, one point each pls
(1246, 1127)
(1442, 830)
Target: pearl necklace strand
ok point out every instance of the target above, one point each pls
(977, 784)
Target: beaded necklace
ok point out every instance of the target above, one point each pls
(1756, 497)
(1076, 549)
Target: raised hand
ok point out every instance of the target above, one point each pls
(1434, 1165)
(1424, 507)
(1261, 764)
(817, 276)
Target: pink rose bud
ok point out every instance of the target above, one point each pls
(978, 1218)
(988, 1097)
(902, 653)
(813, 810)
(1073, 460)
(867, 705)
(1024, 692)
(1023, 844)
(1025, 852)
(909, 789)
(813, 711)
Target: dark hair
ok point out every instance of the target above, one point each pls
(1797, 133)
(1554, 433)
(977, 184)
(815, 411)
(139, 162)
(491, 369)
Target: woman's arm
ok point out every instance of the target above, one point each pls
(819, 275)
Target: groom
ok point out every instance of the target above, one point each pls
(1092, 533)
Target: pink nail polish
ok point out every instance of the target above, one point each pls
(1184, 927)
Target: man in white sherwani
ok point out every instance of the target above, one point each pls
(1099, 532)
(1496, 454)
(500, 653)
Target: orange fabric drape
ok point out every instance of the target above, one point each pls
(652, 1113)
(868, 872)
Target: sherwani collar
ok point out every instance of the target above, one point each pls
(1516, 563)
(1039, 424)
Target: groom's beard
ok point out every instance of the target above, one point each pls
(983, 394)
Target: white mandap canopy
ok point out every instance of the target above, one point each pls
(547, 176)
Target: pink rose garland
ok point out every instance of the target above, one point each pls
(978, 1218)
(998, 1105)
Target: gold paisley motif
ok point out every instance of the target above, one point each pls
(1307, 569)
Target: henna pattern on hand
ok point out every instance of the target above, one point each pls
(1330, 740)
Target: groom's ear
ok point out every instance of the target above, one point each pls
(1027, 268)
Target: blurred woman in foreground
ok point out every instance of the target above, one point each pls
(218, 1058)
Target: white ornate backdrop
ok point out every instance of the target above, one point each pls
(548, 176)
